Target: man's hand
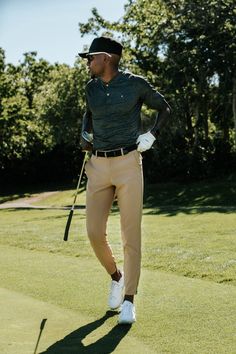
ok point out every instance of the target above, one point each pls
(85, 146)
(145, 141)
(86, 141)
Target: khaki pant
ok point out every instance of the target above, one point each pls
(121, 176)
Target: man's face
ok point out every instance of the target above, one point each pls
(96, 64)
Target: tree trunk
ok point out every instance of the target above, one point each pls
(234, 106)
(189, 126)
(196, 127)
(205, 117)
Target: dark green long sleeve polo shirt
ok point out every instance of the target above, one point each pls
(115, 109)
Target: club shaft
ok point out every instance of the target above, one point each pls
(66, 233)
(79, 181)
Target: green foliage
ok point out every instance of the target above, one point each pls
(21, 131)
(41, 107)
(61, 103)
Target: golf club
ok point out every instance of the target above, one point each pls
(76, 193)
(40, 333)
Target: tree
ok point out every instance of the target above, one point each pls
(21, 132)
(61, 103)
(187, 50)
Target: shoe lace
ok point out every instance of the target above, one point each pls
(127, 308)
(114, 285)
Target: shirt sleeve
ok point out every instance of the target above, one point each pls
(151, 97)
(87, 124)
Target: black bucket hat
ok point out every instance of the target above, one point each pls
(103, 45)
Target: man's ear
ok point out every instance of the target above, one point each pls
(107, 59)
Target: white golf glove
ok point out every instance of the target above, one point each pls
(145, 141)
(87, 136)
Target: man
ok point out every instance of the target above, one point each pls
(111, 129)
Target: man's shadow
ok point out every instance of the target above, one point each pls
(72, 343)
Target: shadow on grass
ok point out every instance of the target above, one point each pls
(205, 193)
(168, 210)
(35, 207)
(205, 196)
(217, 195)
(72, 344)
(175, 210)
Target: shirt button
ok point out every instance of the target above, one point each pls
(108, 94)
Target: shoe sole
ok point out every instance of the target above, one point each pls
(115, 308)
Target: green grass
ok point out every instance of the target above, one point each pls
(186, 302)
(200, 245)
(175, 314)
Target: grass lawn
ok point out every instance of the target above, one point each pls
(186, 301)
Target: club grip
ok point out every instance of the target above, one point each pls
(68, 225)
(43, 323)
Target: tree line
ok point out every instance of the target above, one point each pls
(186, 49)
(41, 109)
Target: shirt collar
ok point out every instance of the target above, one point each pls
(114, 79)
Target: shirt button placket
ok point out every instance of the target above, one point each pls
(107, 93)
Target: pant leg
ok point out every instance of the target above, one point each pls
(128, 178)
(99, 197)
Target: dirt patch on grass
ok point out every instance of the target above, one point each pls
(26, 202)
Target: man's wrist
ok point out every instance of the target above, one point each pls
(155, 132)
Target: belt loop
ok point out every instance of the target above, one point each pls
(105, 154)
(122, 151)
(96, 153)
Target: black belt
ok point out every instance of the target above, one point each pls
(116, 152)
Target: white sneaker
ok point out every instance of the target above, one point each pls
(116, 293)
(127, 315)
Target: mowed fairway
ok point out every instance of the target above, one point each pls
(187, 293)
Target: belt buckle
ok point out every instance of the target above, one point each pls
(113, 152)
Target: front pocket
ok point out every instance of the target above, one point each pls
(86, 167)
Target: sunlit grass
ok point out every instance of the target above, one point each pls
(186, 301)
(201, 245)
